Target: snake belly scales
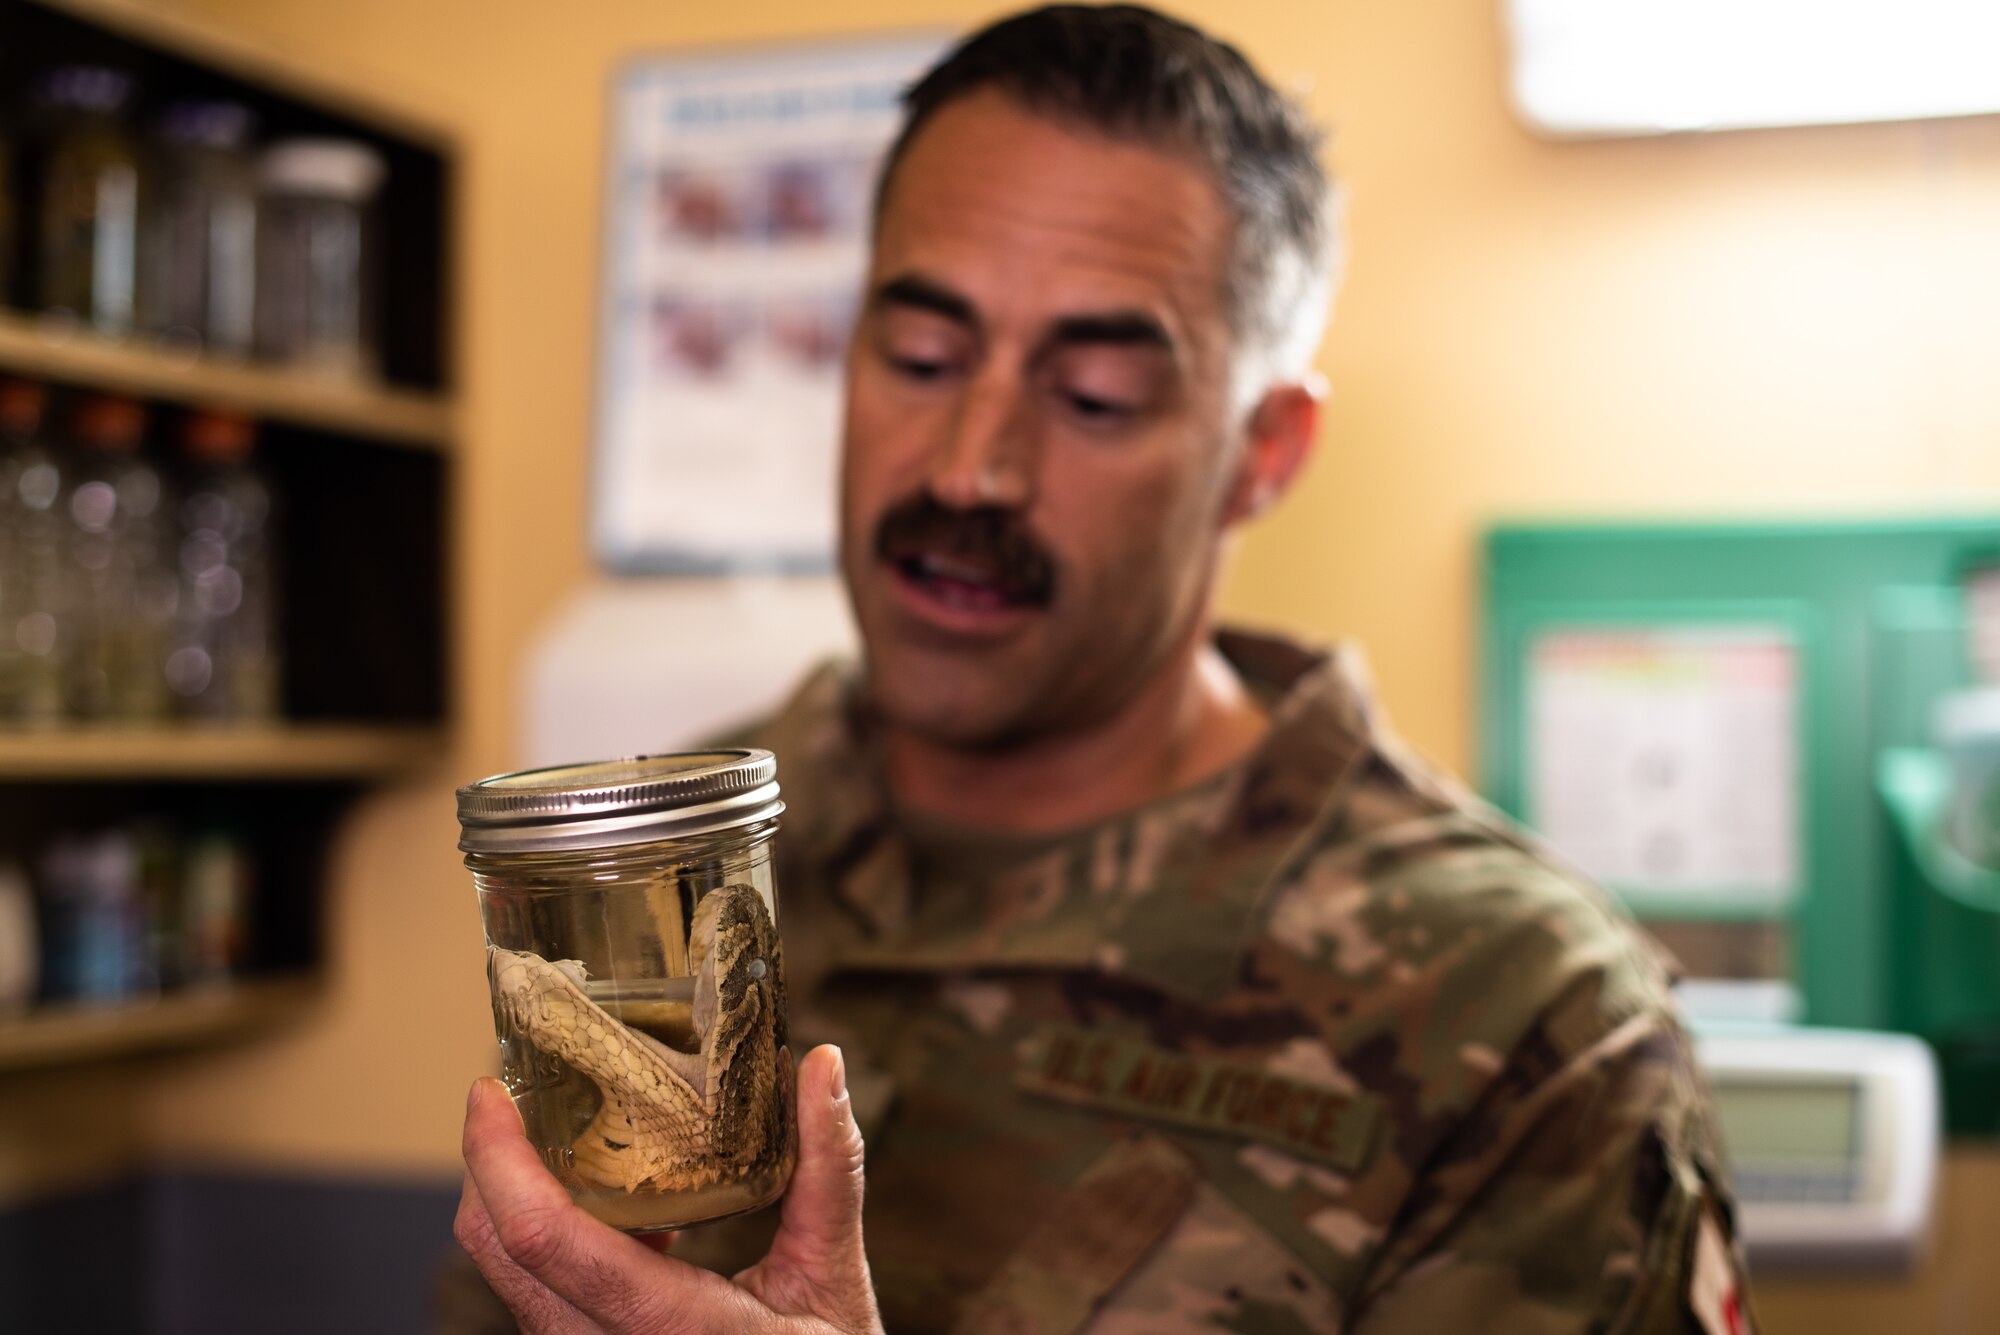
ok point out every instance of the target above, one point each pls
(671, 1121)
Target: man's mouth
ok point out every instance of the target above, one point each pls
(956, 582)
(973, 561)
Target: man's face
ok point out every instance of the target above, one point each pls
(1037, 432)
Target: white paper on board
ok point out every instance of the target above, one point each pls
(739, 206)
(1665, 759)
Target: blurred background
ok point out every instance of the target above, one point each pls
(1608, 406)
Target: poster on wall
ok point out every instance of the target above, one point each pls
(1665, 762)
(739, 192)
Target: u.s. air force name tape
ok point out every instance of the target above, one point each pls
(1331, 1126)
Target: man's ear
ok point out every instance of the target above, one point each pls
(1279, 438)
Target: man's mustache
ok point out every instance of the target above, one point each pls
(992, 538)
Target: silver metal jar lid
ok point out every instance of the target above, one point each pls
(613, 803)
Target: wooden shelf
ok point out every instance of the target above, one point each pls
(32, 346)
(365, 623)
(278, 751)
(57, 1035)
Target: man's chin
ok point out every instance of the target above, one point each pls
(972, 716)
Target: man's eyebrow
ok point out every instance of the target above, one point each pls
(1127, 328)
(925, 295)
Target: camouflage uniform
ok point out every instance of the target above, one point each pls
(1318, 1045)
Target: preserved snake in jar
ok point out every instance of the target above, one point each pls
(637, 979)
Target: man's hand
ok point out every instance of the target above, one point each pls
(562, 1272)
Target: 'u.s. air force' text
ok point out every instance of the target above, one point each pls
(1331, 1126)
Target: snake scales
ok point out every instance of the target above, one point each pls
(672, 1121)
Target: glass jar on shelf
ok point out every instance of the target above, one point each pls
(217, 881)
(197, 281)
(92, 182)
(316, 305)
(124, 586)
(93, 920)
(224, 663)
(35, 626)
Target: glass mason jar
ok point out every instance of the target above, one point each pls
(198, 257)
(637, 981)
(316, 272)
(93, 182)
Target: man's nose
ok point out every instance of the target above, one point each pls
(987, 456)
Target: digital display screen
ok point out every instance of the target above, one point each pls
(1790, 1123)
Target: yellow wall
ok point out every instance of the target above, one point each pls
(1763, 322)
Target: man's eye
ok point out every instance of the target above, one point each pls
(1094, 409)
(918, 368)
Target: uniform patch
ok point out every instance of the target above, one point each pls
(1713, 1294)
(1335, 1127)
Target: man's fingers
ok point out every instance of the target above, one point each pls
(822, 1209)
(817, 1262)
(530, 1301)
(607, 1277)
(529, 1210)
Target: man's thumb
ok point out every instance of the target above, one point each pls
(819, 1235)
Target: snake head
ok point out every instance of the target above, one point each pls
(737, 945)
(517, 979)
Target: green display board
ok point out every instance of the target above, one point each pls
(1696, 714)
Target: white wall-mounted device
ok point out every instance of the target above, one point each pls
(1832, 1137)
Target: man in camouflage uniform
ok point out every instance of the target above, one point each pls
(1174, 995)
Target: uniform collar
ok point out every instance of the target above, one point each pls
(1166, 894)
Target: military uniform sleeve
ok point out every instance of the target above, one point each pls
(1582, 1194)
(1548, 1161)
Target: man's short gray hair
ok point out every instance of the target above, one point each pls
(1132, 73)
